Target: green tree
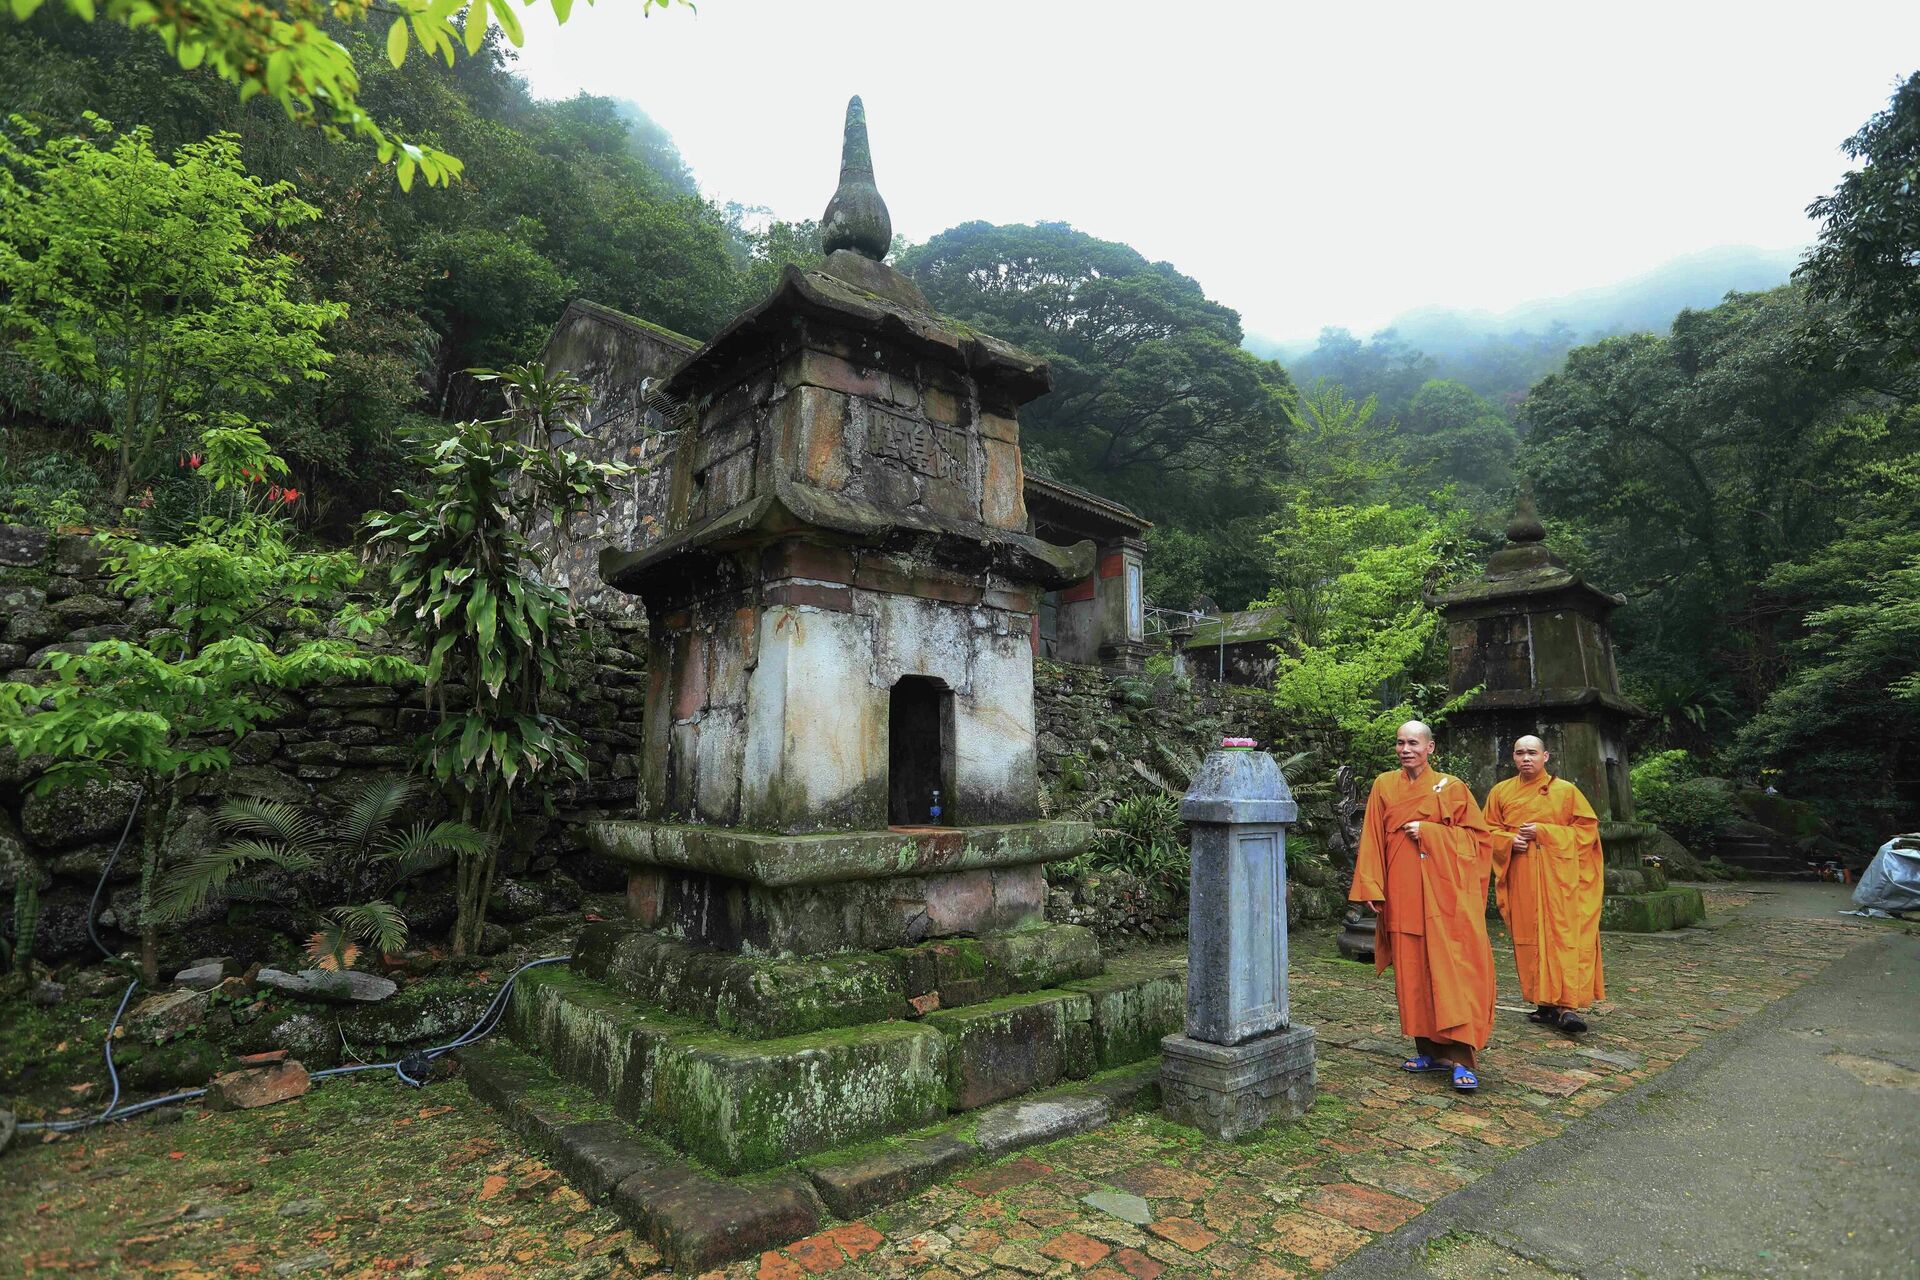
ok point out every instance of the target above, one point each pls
(143, 283)
(1452, 436)
(1365, 650)
(1149, 377)
(1342, 454)
(495, 636)
(1850, 702)
(163, 710)
(292, 52)
(1868, 253)
(1696, 462)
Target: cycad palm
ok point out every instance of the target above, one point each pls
(357, 859)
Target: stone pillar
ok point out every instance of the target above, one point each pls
(1240, 1064)
(1121, 604)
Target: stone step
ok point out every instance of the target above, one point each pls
(763, 998)
(1657, 911)
(739, 1105)
(699, 1220)
(742, 1104)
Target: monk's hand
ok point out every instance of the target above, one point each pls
(1527, 832)
(1374, 905)
(1519, 844)
(1413, 831)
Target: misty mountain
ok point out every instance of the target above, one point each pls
(1645, 302)
(1499, 355)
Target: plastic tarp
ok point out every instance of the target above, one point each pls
(1891, 881)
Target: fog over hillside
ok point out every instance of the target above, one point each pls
(1644, 302)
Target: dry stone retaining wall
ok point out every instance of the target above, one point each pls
(54, 597)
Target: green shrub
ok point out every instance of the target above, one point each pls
(1668, 790)
(52, 490)
(1144, 836)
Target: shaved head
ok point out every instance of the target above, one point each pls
(1413, 745)
(1529, 757)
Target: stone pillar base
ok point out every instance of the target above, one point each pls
(1226, 1091)
(1358, 934)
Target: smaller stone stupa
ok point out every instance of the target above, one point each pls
(1532, 635)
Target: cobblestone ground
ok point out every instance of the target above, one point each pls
(367, 1179)
(1378, 1148)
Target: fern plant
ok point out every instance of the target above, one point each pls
(17, 957)
(356, 857)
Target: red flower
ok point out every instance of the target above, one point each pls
(288, 495)
(193, 460)
(273, 494)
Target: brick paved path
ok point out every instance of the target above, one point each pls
(364, 1179)
(1378, 1148)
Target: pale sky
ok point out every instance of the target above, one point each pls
(1309, 164)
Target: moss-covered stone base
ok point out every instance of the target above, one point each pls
(746, 1105)
(1015, 1045)
(762, 998)
(1137, 1002)
(1653, 912)
(742, 1103)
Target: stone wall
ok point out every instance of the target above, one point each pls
(54, 597)
(1093, 726)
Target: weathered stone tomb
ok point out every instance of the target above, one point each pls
(837, 899)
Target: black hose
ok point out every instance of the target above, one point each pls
(411, 1069)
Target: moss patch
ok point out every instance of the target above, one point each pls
(742, 1106)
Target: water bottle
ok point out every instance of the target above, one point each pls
(933, 813)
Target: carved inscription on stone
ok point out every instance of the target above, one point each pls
(927, 449)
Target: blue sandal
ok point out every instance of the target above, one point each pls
(1464, 1080)
(1421, 1062)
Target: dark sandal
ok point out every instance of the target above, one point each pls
(1545, 1015)
(1572, 1023)
(1464, 1080)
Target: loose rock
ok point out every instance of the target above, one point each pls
(345, 986)
(172, 1013)
(252, 1087)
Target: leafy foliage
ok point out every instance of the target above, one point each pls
(353, 858)
(559, 200)
(289, 52)
(160, 711)
(1365, 651)
(140, 281)
(465, 595)
(1668, 789)
(1868, 253)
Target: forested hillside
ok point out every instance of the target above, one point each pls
(580, 198)
(179, 262)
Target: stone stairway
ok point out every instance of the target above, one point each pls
(832, 1083)
(1760, 854)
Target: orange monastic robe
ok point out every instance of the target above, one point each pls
(1550, 895)
(1433, 929)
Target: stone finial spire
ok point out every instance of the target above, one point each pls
(856, 217)
(1525, 525)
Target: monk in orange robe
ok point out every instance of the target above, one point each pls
(1549, 878)
(1422, 868)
